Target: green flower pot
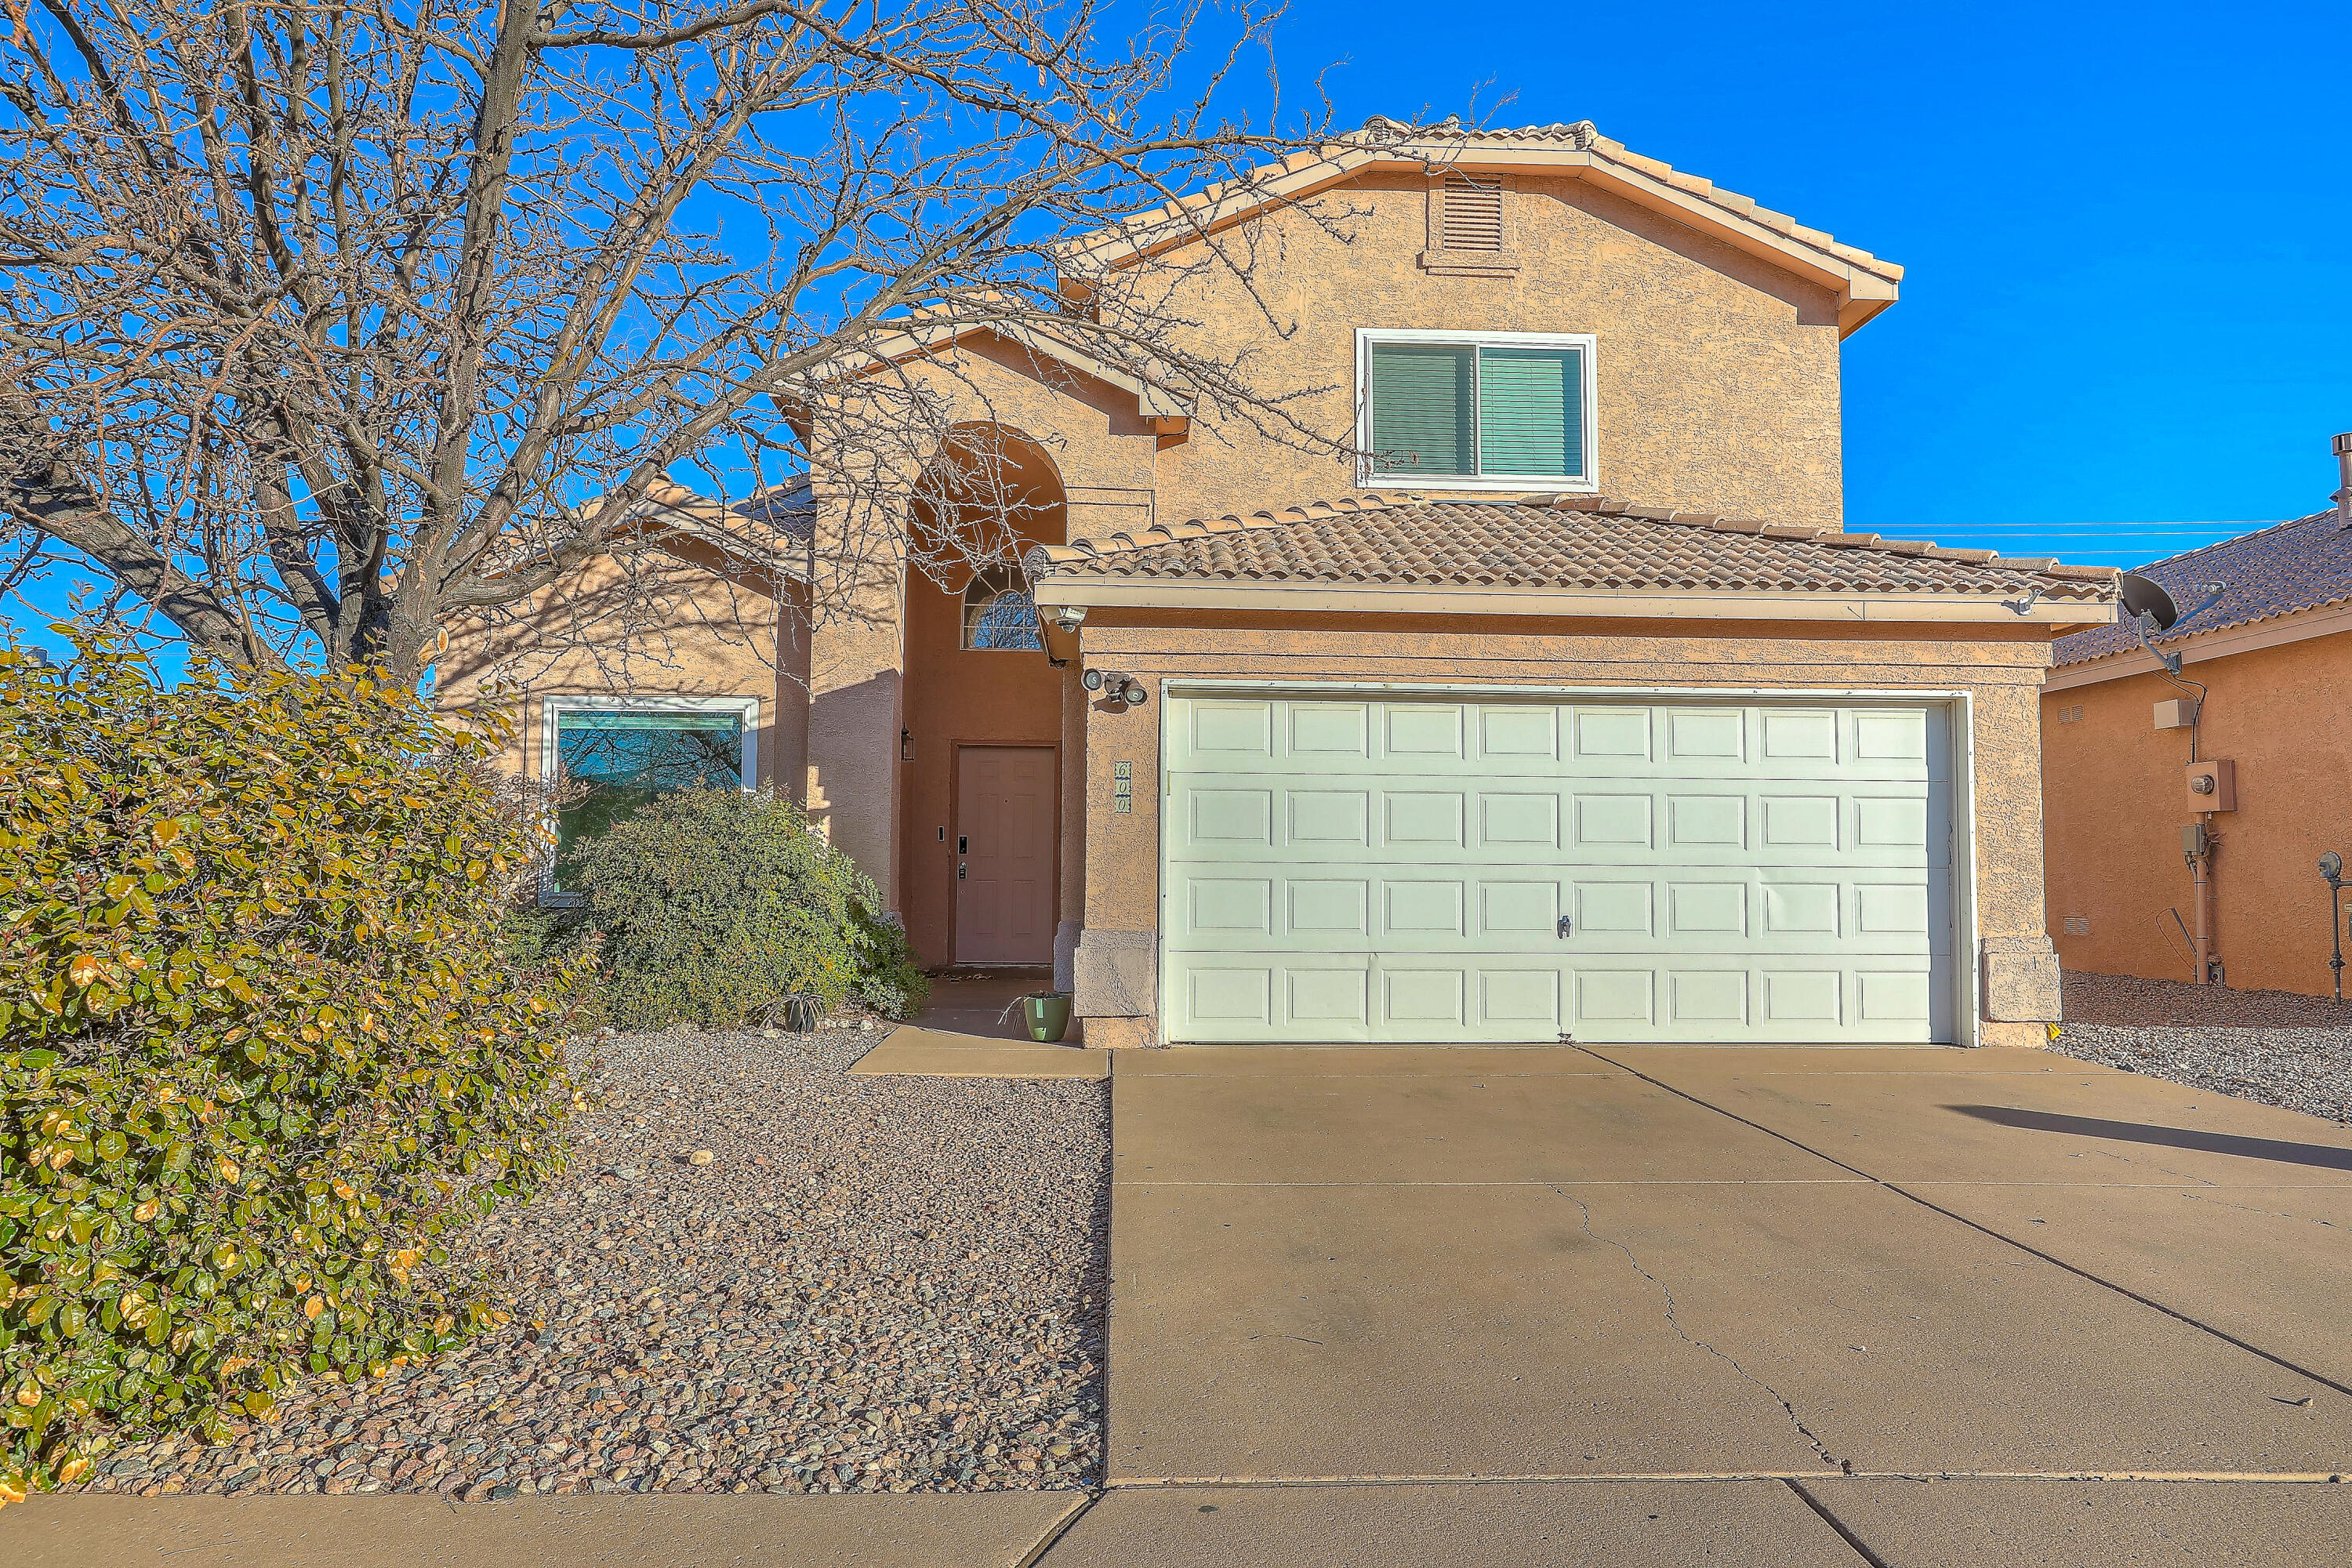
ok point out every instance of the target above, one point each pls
(1047, 1015)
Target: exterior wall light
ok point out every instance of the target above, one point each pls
(1116, 687)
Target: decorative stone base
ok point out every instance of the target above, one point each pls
(1118, 1034)
(1116, 973)
(2020, 980)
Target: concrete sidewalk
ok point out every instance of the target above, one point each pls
(989, 1529)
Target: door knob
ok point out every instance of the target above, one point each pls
(960, 870)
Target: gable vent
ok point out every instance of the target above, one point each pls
(1471, 217)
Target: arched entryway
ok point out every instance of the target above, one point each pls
(980, 757)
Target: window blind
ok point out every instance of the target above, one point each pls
(1423, 408)
(1531, 414)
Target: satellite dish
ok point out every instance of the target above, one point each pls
(2146, 596)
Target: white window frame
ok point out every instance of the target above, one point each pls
(1019, 583)
(552, 709)
(1369, 477)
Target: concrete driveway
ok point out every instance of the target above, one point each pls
(1914, 1306)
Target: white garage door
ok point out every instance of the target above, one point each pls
(1344, 867)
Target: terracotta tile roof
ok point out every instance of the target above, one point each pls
(1569, 543)
(2303, 564)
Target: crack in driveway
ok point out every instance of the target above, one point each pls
(1675, 1322)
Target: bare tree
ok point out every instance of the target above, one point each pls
(326, 325)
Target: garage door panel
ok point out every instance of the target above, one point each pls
(1423, 912)
(1711, 736)
(1323, 908)
(1612, 912)
(1326, 816)
(1396, 869)
(1524, 735)
(1329, 733)
(1518, 821)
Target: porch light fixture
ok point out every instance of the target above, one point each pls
(1116, 687)
(1068, 617)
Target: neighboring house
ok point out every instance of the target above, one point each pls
(2266, 674)
(1451, 746)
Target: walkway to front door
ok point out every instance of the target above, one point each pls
(1004, 828)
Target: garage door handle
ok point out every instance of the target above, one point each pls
(1566, 925)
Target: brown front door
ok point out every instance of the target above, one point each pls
(1004, 853)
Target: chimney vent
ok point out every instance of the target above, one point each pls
(2343, 472)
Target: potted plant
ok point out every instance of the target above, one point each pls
(1046, 1014)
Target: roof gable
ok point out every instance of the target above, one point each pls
(1864, 284)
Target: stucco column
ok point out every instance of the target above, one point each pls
(785, 767)
(857, 702)
(1115, 972)
(2018, 978)
(1070, 915)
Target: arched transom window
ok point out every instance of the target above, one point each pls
(998, 611)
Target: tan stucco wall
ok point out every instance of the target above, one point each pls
(2001, 673)
(653, 626)
(1717, 375)
(2117, 803)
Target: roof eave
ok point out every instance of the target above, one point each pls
(914, 340)
(2329, 619)
(2055, 617)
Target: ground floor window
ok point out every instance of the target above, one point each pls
(614, 753)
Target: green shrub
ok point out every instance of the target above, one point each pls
(260, 1051)
(712, 905)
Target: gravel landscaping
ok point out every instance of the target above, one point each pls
(888, 1284)
(2274, 1047)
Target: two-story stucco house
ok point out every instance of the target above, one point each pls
(1565, 709)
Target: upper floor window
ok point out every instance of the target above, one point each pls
(998, 611)
(1474, 410)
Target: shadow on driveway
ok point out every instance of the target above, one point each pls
(2317, 1154)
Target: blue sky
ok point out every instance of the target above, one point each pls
(2126, 322)
(2128, 231)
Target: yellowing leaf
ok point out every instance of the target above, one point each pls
(85, 970)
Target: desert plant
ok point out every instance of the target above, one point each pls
(260, 1054)
(713, 905)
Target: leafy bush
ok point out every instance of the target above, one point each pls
(714, 905)
(260, 1052)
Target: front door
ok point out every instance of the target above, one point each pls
(1004, 853)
